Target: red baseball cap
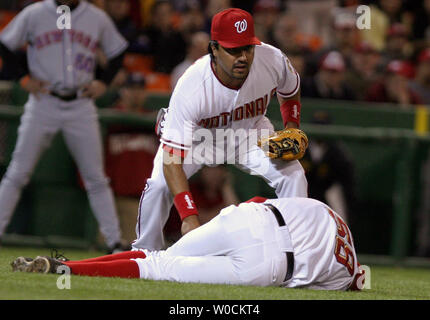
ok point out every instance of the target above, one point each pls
(333, 61)
(233, 28)
(402, 68)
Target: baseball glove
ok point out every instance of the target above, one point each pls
(287, 144)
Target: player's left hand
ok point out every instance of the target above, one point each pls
(94, 89)
(287, 144)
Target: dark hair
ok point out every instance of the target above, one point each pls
(215, 44)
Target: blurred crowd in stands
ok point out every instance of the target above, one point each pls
(390, 62)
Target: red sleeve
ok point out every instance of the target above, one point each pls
(179, 152)
(256, 199)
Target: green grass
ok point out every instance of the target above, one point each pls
(388, 283)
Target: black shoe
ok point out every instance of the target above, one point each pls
(119, 247)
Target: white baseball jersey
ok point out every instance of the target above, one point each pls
(324, 252)
(246, 245)
(201, 107)
(200, 100)
(66, 58)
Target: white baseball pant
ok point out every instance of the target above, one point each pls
(286, 178)
(244, 245)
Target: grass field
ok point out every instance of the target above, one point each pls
(387, 283)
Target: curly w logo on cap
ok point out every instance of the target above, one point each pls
(233, 28)
(241, 26)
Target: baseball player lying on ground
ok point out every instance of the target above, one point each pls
(288, 242)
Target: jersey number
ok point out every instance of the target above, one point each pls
(343, 249)
(84, 63)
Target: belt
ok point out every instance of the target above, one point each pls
(289, 254)
(68, 97)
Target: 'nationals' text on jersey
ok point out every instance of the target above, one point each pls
(248, 110)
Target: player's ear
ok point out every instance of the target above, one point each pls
(213, 48)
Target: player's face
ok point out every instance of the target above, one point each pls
(233, 64)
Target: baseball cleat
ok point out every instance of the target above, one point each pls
(38, 265)
(46, 264)
(20, 263)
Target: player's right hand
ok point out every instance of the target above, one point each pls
(190, 223)
(34, 86)
(94, 89)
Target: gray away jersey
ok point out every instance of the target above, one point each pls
(65, 59)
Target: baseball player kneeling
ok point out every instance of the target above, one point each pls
(287, 242)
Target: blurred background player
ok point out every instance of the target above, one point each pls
(421, 82)
(393, 86)
(164, 39)
(329, 82)
(61, 83)
(197, 48)
(330, 172)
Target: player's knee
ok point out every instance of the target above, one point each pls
(94, 185)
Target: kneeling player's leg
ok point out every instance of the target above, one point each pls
(286, 177)
(154, 208)
(155, 204)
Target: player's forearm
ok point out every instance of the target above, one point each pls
(113, 67)
(12, 60)
(182, 198)
(290, 110)
(175, 178)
